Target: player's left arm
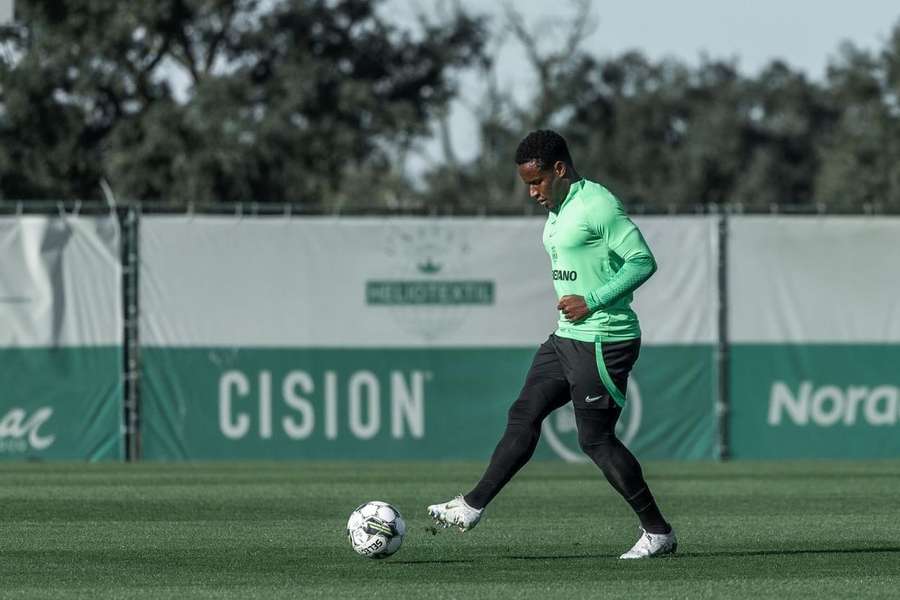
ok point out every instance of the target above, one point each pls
(624, 239)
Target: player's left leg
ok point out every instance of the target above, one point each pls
(597, 437)
(592, 369)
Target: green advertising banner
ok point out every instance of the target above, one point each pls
(395, 403)
(815, 401)
(61, 403)
(60, 339)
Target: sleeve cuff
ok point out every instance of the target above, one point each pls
(593, 303)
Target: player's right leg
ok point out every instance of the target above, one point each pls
(545, 390)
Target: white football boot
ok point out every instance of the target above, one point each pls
(455, 513)
(653, 544)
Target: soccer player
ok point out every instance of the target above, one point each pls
(598, 258)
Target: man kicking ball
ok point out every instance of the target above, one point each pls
(598, 258)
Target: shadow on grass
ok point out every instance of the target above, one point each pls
(732, 554)
(436, 561)
(798, 551)
(787, 476)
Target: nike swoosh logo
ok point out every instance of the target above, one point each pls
(588, 399)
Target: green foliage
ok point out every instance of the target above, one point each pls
(298, 100)
(665, 136)
(860, 155)
(322, 102)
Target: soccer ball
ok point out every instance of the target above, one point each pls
(376, 529)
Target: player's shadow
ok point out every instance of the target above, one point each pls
(735, 553)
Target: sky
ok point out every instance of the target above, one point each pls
(803, 33)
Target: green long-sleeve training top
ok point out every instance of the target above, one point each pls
(597, 252)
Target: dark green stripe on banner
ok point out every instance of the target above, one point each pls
(815, 401)
(61, 403)
(226, 403)
(416, 293)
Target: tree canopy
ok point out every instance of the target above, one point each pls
(666, 136)
(322, 102)
(299, 100)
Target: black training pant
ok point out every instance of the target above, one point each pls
(566, 370)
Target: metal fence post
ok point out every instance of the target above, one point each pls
(130, 219)
(723, 401)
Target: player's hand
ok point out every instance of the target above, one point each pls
(574, 308)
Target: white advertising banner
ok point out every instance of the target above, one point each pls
(815, 337)
(400, 338)
(60, 339)
(802, 279)
(403, 282)
(60, 284)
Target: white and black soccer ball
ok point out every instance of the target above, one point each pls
(376, 529)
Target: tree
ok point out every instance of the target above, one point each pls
(666, 136)
(321, 102)
(489, 183)
(860, 155)
(300, 100)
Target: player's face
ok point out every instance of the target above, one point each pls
(545, 186)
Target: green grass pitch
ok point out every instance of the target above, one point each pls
(276, 530)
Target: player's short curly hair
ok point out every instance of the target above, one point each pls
(544, 146)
